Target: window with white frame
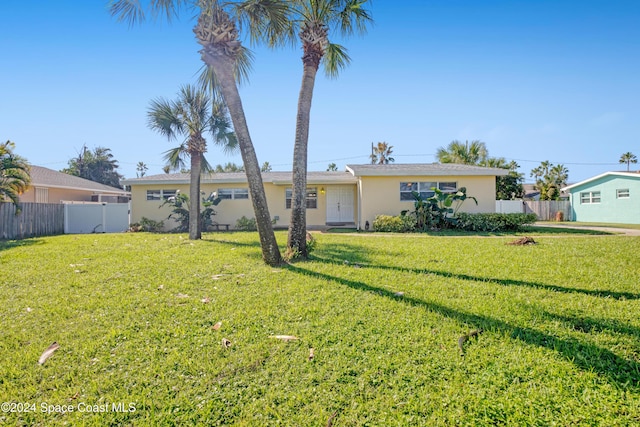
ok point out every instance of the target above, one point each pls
(312, 197)
(160, 194)
(589, 197)
(233, 193)
(622, 193)
(425, 189)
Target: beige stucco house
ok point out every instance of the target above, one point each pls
(50, 186)
(353, 197)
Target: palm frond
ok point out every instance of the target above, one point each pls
(161, 117)
(354, 18)
(265, 21)
(244, 61)
(133, 12)
(175, 157)
(126, 10)
(205, 165)
(335, 59)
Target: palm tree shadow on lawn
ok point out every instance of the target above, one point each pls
(589, 357)
(10, 244)
(504, 282)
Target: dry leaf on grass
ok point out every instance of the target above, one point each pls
(226, 343)
(48, 352)
(311, 354)
(217, 326)
(179, 295)
(285, 338)
(331, 418)
(206, 300)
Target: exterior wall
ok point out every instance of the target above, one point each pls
(611, 208)
(151, 209)
(380, 195)
(229, 210)
(57, 195)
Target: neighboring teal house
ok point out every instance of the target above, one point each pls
(610, 197)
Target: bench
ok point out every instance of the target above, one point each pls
(217, 226)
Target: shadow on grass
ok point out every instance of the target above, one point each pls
(538, 230)
(251, 244)
(590, 324)
(586, 356)
(362, 262)
(541, 229)
(10, 244)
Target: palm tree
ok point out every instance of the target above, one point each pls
(217, 31)
(191, 116)
(141, 169)
(628, 158)
(381, 153)
(550, 179)
(14, 175)
(313, 20)
(473, 153)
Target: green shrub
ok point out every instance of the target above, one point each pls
(147, 224)
(394, 224)
(493, 221)
(246, 224)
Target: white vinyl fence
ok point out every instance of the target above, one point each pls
(510, 206)
(96, 218)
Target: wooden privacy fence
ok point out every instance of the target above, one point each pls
(546, 210)
(36, 219)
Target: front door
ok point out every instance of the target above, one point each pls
(340, 204)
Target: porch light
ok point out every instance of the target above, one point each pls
(321, 190)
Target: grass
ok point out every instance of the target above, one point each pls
(600, 224)
(561, 340)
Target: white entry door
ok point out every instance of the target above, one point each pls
(340, 203)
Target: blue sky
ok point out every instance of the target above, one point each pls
(535, 80)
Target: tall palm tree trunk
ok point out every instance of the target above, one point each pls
(297, 238)
(195, 228)
(223, 67)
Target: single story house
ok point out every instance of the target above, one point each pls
(353, 197)
(609, 197)
(50, 186)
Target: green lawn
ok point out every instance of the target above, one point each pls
(134, 315)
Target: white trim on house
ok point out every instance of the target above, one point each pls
(424, 169)
(594, 178)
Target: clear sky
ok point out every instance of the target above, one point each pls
(535, 80)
